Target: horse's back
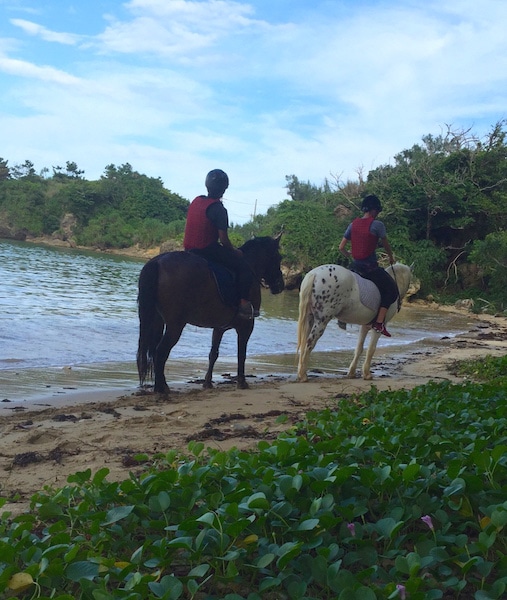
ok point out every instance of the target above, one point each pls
(181, 268)
(336, 293)
(330, 279)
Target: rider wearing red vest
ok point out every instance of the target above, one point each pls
(206, 235)
(366, 233)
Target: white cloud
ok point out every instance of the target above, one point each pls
(46, 34)
(28, 70)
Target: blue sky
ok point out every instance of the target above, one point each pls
(262, 89)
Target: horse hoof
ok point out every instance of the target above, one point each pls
(368, 377)
(161, 389)
(207, 385)
(351, 375)
(242, 385)
(303, 379)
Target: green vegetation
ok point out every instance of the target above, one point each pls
(383, 495)
(122, 209)
(489, 368)
(445, 207)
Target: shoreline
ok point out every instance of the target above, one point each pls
(93, 429)
(37, 388)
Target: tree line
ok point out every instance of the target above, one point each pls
(444, 199)
(121, 209)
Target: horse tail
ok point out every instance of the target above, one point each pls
(304, 324)
(150, 322)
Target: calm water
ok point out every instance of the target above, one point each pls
(69, 318)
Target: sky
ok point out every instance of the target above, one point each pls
(319, 89)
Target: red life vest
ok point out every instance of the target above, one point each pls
(199, 230)
(363, 242)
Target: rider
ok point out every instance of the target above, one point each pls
(365, 234)
(206, 235)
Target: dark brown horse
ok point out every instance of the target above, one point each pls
(177, 288)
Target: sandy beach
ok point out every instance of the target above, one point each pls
(43, 443)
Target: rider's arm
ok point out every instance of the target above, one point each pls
(223, 236)
(342, 248)
(217, 213)
(387, 248)
(378, 228)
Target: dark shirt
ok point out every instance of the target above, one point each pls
(217, 214)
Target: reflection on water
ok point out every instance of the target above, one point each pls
(69, 318)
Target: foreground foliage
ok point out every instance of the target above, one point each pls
(385, 495)
(487, 368)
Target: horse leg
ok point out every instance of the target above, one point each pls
(375, 335)
(244, 332)
(363, 332)
(218, 334)
(169, 340)
(318, 326)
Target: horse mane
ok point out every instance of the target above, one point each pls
(252, 243)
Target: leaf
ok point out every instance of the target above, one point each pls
(265, 560)
(258, 500)
(169, 588)
(199, 570)
(286, 553)
(268, 583)
(388, 527)
(484, 522)
(100, 476)
(456, 487)
(308, 525)
(117, 514)
(82, 570)
(499, 518)
(207, 518)
(411, 472)
(382, 473)
(20, 582)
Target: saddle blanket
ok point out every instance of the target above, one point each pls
(369, 295)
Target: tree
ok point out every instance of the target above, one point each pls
(26, 170)
(491, 255)
(5, 172)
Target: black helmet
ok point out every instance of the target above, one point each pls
(371, 202)
(216, 183)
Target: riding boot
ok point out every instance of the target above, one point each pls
(381, 328)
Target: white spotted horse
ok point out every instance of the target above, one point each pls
(332, 291)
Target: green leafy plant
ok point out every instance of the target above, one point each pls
(487, 368)
(383, 495)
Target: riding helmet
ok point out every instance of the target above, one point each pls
(216, 183)
(371, 202)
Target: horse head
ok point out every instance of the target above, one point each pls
(263, 256)
(402, 274)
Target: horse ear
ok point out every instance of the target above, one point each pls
(278, 236)
(412, 266)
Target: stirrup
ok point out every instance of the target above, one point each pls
(381, 328)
